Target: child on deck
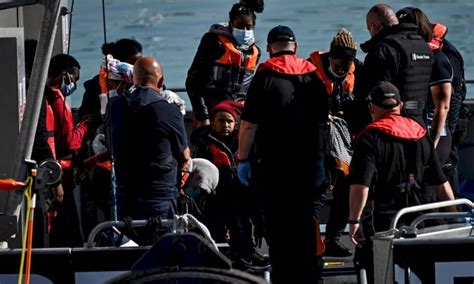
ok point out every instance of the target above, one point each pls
(228, 210)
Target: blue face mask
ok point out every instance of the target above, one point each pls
(243, 36)
(68, 89)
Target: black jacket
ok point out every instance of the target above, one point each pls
(385, 154)
(290, 107)
(90, 100)
(399, 55)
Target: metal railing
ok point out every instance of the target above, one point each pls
(428, 206)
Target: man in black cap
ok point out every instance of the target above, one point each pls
(393, 157)
(285, 113)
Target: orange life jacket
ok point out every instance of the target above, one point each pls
(102, 81)
(233, 56)
(348, 84)
(234, 70)
(50, 129)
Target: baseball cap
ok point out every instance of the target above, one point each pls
(381, 92)
(279, 34)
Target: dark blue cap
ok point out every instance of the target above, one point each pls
(384, 90)
(279, 34)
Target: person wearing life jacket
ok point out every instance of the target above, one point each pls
(393, 157)
(224, 64)
(441, 89)
(44, 149)
(285, 115)
(337, 69)
(438, 102)
(231, 207)
(63, 74)
(396, 53)
(94, 174)
(125, 50)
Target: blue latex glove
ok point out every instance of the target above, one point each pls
(244, 172)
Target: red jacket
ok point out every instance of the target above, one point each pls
(67, 137)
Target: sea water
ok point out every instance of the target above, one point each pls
(170, 30)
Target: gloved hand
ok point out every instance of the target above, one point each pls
(244, 172)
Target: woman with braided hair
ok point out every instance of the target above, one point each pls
(225, 61)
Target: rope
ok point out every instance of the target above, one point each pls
(188, 219)
(27, 193)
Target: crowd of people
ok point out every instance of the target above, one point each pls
(269, 139)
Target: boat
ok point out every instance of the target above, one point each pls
(401, 251)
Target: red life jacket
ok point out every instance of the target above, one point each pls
(348, 83)
(439, 32)
(50, 129)
(396, 126)
(288, 64)
(219, 158)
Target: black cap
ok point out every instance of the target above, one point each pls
(381, 92)
(279, 34)
(407, 15)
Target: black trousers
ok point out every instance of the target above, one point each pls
(291, 233)
(339, 208)
(65, 227)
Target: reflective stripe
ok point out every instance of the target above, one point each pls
(414, 105)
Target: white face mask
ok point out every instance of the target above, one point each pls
(243, 36)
